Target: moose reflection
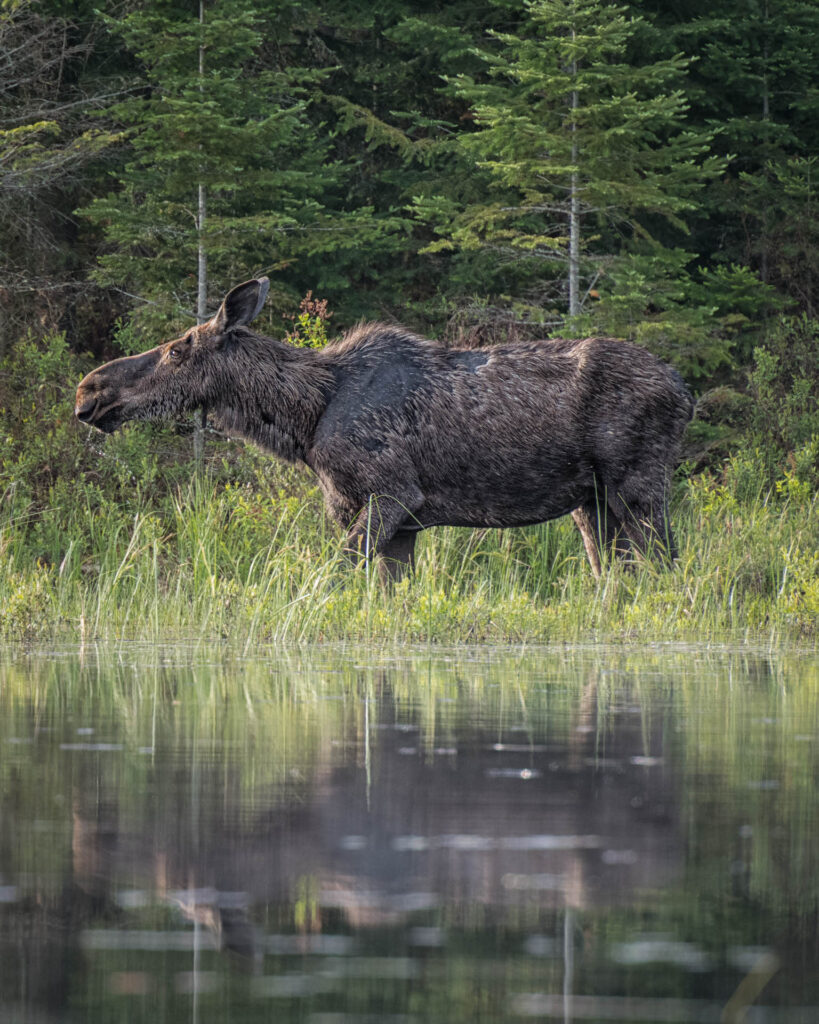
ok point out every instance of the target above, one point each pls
(491, 824)
(347, 842)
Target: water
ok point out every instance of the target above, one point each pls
(349, 836)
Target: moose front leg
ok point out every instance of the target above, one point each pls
(377, 531)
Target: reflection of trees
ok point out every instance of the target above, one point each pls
(322, 798)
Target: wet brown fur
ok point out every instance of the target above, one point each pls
(404, 434)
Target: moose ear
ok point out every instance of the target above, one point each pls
(241, 305)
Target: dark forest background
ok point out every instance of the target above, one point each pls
(414, 161)
(477, 170)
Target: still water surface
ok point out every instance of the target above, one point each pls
(342, 836)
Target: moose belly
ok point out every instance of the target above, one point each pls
(495, 507)
(494, 492)
(432, 515)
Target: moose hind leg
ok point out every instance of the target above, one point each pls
(397, 556)
(584, 520)
(647, 524)
(601, 531)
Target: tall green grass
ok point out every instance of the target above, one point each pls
(213, 560)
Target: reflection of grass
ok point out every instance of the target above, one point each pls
(217, 562)
(249, 735)
(741, 716)
(757, 743)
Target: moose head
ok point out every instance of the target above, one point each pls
(176, 376)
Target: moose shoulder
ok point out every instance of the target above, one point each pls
(404, 434)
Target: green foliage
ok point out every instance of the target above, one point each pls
(800, 586)
(773, 418)
(235, 127)
(783, 201)
(26, 612)
(37, 386)
(52, 145)
(309, 328)
(62, 482)
(574, 141)
(414, 162)
(702, 321)
(756, 80)
(241, 562)
(784, 407)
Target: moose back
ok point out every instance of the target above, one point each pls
(403, 433)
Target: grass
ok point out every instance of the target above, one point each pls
(214, 560)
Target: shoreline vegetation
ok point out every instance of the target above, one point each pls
(123, 538)
(193, 570)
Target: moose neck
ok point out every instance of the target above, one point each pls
(276, 397)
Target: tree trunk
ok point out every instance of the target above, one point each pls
(574, 211)
(574, 232)
(200, 416)
(766, 113)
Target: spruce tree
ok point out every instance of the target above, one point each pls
(758, 79)
(219, 125)
(583, 149)
(392, 127)
(52, 88)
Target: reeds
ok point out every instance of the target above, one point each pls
(218, 562)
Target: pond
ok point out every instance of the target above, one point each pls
(346, 835)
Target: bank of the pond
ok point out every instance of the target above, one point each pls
(211, 560)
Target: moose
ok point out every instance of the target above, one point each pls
(404, 433)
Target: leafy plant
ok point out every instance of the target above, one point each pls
(309, 328)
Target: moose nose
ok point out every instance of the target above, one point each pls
(84, 409)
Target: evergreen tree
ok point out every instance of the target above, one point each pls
(756, 78)
(51, 89)
(779, 207)
(470, 161)
(583, 152)
(222, 125)
(392, 126)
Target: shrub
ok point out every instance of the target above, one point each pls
(783, 414)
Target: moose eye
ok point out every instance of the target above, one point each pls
(179, 350)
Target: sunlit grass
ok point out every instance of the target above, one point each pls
(221, 563)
